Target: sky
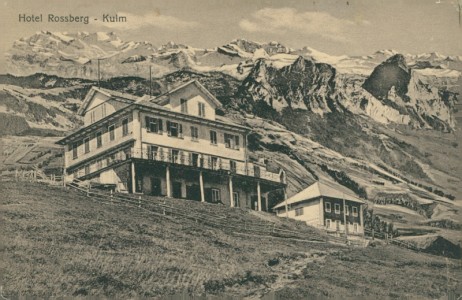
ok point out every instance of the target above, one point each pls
(351, 27)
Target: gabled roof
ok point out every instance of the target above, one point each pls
(124, 97)
(163, 99)
(316, 190)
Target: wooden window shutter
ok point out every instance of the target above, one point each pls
(147, 121)
(180, 130)
(160, 123)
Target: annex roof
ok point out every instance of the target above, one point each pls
(316, 190)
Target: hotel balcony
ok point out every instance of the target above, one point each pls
(207, 162)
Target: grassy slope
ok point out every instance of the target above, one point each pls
(57, 243)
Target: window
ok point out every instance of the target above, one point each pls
(256, 171)
(347, 210)
(355, 227)
(201, 109)
(194, 133)
(92, 116)
(174, 155)
(86, 141)
(216, 197)
(99, 164)
(299, 211)
(236, 199)
(337, 208)
(103, 110)
(337, 225)
(152, 151)
(125, 127)
(214, 163)
(87, 169)
(232, 166)
(355, 211)
(111, 132)
(184, 106)
(327, 207)
(328, 222)
(75, 148)
(194, 159)
(99, 140)
(154, 125)
(174, 129)
(231, 141)
(213, 137)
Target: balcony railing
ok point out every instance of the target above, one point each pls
(206, 162)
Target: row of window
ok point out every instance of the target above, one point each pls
(216, 197)
(99, 139)
(337, 225)
(328, 208)
(200, 108)
(191, 158)
(174, 129)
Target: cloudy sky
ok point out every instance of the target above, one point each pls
(353, 27)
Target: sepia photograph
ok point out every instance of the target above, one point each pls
(231, 149)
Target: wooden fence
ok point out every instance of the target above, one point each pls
(35, 175)
(208, 217)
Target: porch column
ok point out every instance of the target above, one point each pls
(133, 178)
(259, 195)
(361, 222)
(321, 212)
(266, 202)
(344, 217)
(201, 184)
(231, 191)
(167, 177)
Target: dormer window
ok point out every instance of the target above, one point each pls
(184, 106)
(201, 109)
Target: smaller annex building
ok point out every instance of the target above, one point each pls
(326, 207)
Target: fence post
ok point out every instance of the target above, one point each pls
(373, 234)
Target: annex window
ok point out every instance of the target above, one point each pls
(201, 109)
(216, 195)
(354, 211)
(75, 148)
(337, 225)
(154, 125)
(125, 127)
(327, 207)
(299, 211)
(236, 199)
(194, 133)
(174, 129)
(213, 137)
(99, 139)
(111, 130)
(355, 227)
(184, 106)
(231, 141)
(232, 166)
(328, 223)
(86, 141)
(337, 208)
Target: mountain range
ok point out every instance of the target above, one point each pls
(385, 126)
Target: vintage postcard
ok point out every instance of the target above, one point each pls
(212, 149)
